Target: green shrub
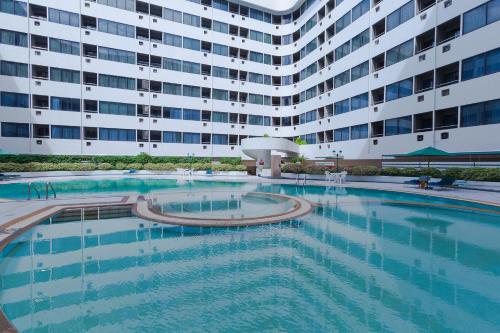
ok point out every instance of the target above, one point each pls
(136, 166)
(453, 173)
(105, 166)
(433, 172)
(364, 171)
(390, 172)
(120, 166)
(159, 166)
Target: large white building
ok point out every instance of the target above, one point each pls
(368, 77)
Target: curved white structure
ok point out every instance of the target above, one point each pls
(262, 148)
(368, 77)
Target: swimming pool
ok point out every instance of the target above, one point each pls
(360, 261)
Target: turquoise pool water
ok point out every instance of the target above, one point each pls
(363, 261)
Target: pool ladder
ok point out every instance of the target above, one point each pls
(48, 185)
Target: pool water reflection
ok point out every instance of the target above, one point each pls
(360, 262)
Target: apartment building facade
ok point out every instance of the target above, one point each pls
(368, 77)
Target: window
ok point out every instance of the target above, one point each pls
(220, 117)
(64, 104)
(172, 113)
(122, 109)
(221, 72)
(13, 38)
(191, 138)
(255, 77)
(172, 40)
(116, 134)
(359, 102)
(221, 4)
(399, 53)
(191, 114)
(172, 137)
(14, 100)
(65, 132)
(359, 132)
(401, 15)
(191, 91)
(342, 50)
(480, 114)
(119, 82)
(255, 120)
(399, 90)
(13, 7)
(341, 134)
(106, 53)
(63, 17)
(191, 44)
(341, 107)
(222, 50)
(64, 75)
(360, 40)
(256, 57)
(219, 94)
(343, 22)
(172, 15)
(398, 126)
(480, 16)
(219, 139)
(342, 79)
(64, 46)
(172, 88)
(255, 99)
(10, 68)
(221, 27)
(360, 9)
(172, 64)
(256, 35)
(360, 71)
(191, 67)
(480, 65)
(15, 130)
(191, 20)
(116, 28)
(122, 4)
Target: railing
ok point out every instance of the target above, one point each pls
(48, 186)
(32, 187)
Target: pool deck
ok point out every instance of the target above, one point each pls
(23, 210)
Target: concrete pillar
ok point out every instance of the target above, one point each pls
(276, 166)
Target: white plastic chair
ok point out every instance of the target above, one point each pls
(328, 176)
(342, 177)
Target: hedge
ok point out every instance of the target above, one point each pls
(478, 174)
(113, 160)
(37, 166)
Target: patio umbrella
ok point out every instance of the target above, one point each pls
(428, 152)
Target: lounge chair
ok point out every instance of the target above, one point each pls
(5, 177)
(444, 182)
(412, 182)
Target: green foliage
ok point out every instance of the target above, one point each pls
(300, 141)
(477, 174)
(114, 160)
(105, 166)
(298, 159)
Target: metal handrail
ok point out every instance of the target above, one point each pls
(32, 186)
(47, 186)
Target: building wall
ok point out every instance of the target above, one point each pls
(319, 133)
